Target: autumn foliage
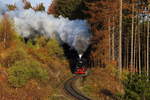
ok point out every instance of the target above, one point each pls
(73, 9)
(29, 71)
(27, 4)
(100, 13)
(7, 32)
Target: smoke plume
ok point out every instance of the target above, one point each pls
(28, 22)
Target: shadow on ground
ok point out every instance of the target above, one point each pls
(108, 93)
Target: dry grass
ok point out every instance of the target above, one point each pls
(33, 90)
(58, 71)
(101, 84)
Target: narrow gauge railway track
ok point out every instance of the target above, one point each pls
(70, 89)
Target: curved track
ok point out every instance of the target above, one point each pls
(70, 89)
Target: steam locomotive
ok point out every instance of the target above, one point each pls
(80, 68)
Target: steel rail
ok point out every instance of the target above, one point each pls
(70, 89)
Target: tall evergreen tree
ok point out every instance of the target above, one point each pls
(68, 8)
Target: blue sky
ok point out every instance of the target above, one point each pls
(33, 2)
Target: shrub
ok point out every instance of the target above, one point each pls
(131, 95)
(42, 41)
(18, 76)
(39, 73)
(15, 55)
(24, 70)
(137, 87)
(54, 49)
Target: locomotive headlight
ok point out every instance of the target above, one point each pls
(80, 56)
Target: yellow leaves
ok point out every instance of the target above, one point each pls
(7, 32)
(49, 54)
(54, 49)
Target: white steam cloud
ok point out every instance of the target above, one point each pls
(28, 22)
(3, 8)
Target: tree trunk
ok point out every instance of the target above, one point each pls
(132, 38)
(113, 40)
(109, 29)
(127, 56)
(135, 43)
(5, 33)
(148, 48)
(120, 40)
(139, 53)
(139, 46)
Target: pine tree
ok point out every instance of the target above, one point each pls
(39, 7)
(68, 8)
(27, 5)
(11, 7)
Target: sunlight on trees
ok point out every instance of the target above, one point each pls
(54, 48)
(24, 70)
(15, 55)
(7, 32)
